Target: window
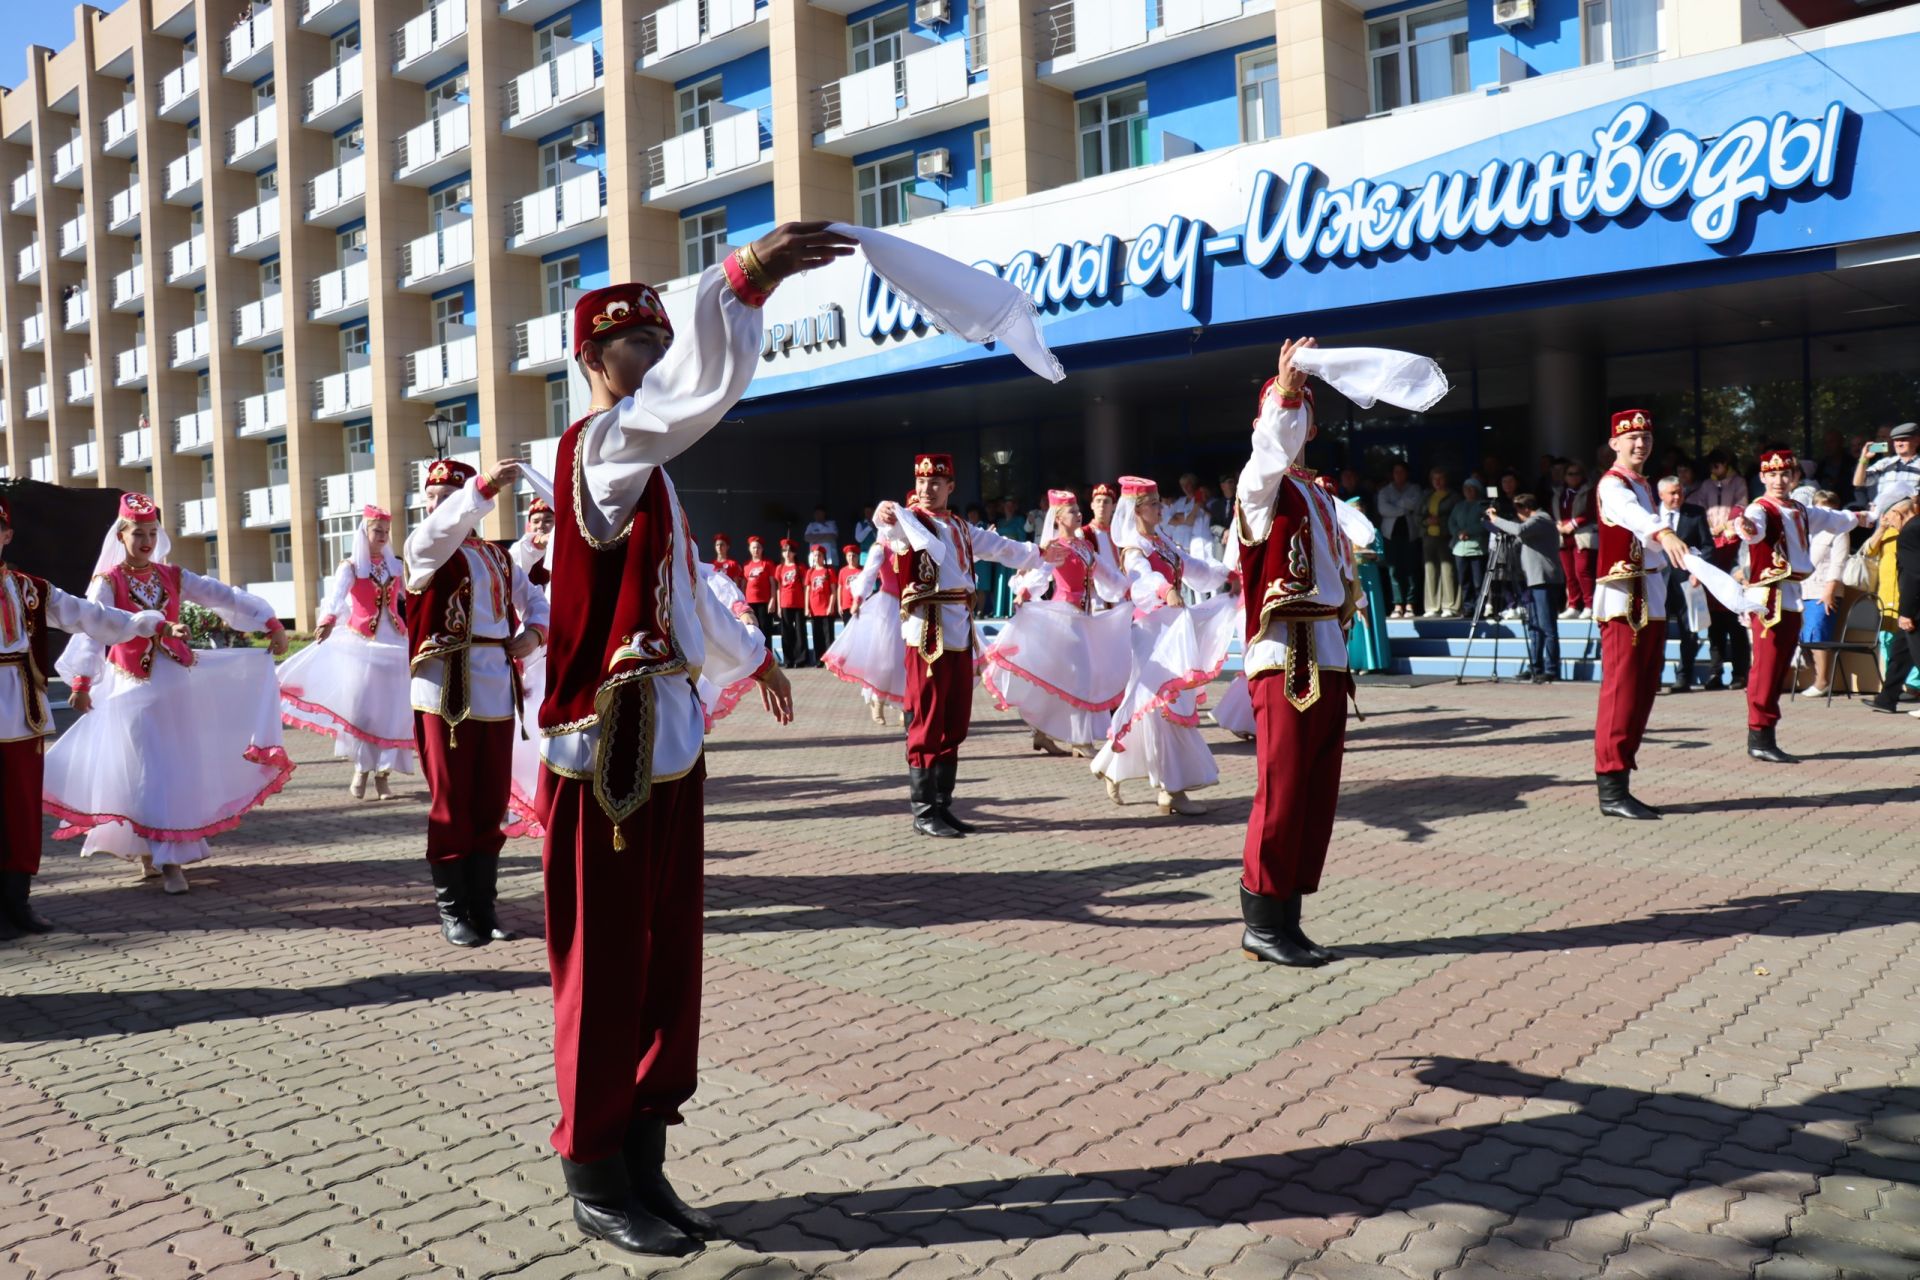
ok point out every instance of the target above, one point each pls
(559, 407)
(976, 35)
(450, 205)
(882, 187)
(1113, 131)
(281, 544)
(457, 415)
(1624, 32)
(1419, 56)
(562, 278)
(269, 277)
(273, 370)
(876, 41)
(1259, 95)
(358, 439)
(551, 41)
(694, 104)
(352, 246)
(354, 345)
(448, 94)
(449, 313)
(349, 144)
(203, 393)
(336, 539)
(983, 163)
(276, 462)
(555, 158)
(704, 239)
(266, 183)
(263, 95)
(345, 45)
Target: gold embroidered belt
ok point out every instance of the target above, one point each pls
(926, 604)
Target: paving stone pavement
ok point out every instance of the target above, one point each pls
(1556, 1046)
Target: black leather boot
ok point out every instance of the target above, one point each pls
(14, 887)
(1617, 802)
(1290, 926)
(483, 886)
(646, 1155)
(1266, 938)
(944, 776)
(928, 818)
(1762, 746)
(450, 896)
(603, 1209)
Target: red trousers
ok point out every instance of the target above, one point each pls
(1577, 563)
(627, 1042)
(1630, 665)
(1772, 668)
(469, 783)
(1298, 784)
(22, 769)
(941, 704)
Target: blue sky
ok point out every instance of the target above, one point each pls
(25, 22)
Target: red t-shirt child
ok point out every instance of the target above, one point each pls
(790, 583)
(820, 592)
(757, 583)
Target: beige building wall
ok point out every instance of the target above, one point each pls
(1323, 64)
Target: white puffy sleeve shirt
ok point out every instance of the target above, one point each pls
(1799, 554)
(941, 540)
(101, 623)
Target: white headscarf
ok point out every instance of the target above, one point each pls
(363, 550)
(1125, 527)
(1056, 500)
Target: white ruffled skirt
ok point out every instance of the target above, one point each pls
(1062, 670)
(354, 690)
(523, 817)
(1156, 728)
(871, 653)
(1234, 711)
(160, 765)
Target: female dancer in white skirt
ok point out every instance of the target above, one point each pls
(175, 744)
(354, 689)
(1060, 665)
(529, 555)
(869, 651)
(718, 701)
(1177, 649)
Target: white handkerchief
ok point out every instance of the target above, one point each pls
(1721, 585)
(1367, 375)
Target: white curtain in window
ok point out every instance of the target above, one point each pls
(1636, 28)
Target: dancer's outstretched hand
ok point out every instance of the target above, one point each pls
(793, 247)
(776, 693)
(1291, 379)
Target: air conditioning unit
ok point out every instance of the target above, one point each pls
(934, 163)
(930, 13)
(1513, 13)
(586, 135)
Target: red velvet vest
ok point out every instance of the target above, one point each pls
(370, 598)
(1623, 557)
(1282, 582)
(34, 659)
(613, 634)
(135, 657)
(439, 620)
(1073, 577)
(1768, 564)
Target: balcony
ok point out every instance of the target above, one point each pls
(731, 154)
(79, 309)
(554, 94)
(344, 494)
(29, 261)
(258, 324)
(923, 93)
(123, 211)
(255, 232)
(33, 330)
(264, 414)
(86, 459)
(66, 162)
(432, 44)
(183, 178)
(333, 96)
(436, 150)
(340, 394)
(120, 131)
(253, 138)
(180, 90)
(25, 188)
(73, 237)
(37, 397)
(540, 344)
(340, 295)
(267, 507)
(80, 385)
(190, 347)
(193, 432)
(1084, 43)
(690, 36)
(200, 517)
(567, 213)
(250, 46)
(130, 367)
(438, 259)
(41, 468)
(531, 11)
(447, 369)
(328, 15)
(130, 288)
(339, 194)
(136, 447)
(187, 261)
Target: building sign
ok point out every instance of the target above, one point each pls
(825, 327)
(1305, 219)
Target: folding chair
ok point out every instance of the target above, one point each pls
(1863, 615)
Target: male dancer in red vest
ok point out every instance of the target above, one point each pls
(622, 729)
(1630, 602)
(1295, 546)
(471, 611)
(28, 606)
(1778, 533)
(936, 608)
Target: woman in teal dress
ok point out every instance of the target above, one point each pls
(985, 572)
(1367, 645)
(1011, 525)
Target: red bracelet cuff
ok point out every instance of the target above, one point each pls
(80, 684)
(487, 490)
(742, 287)
(765, 662)
(274, 626)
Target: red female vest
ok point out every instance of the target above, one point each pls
(370, 598)
(135, 657)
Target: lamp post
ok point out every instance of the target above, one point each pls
(439, 432)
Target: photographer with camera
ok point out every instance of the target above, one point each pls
(1882, 478)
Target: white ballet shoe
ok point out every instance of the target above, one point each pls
(381, 786)
(1043, 742)
(1172, 802)
(1113, 790)
(358, 787)
(878, 713)
(173, 878)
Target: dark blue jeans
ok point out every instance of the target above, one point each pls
(1543, 605)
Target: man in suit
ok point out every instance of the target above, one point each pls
(1905, 654)
(1690, 522)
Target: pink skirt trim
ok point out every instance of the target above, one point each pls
(1165, 697)
(728, 700)
(522, 818)
(337, 726)
(838, 667)
(1002, 658)
(79, 824)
